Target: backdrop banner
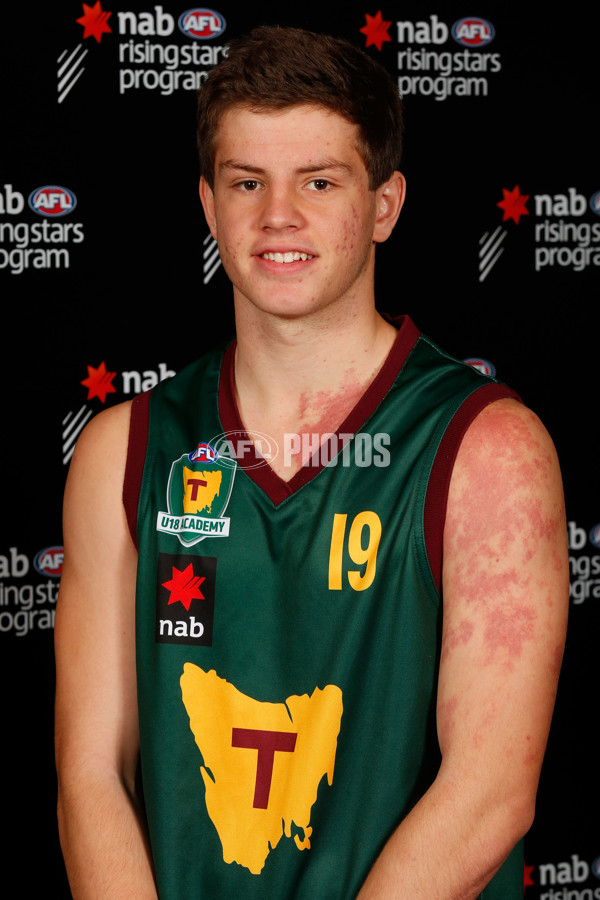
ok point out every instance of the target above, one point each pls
(111, 282)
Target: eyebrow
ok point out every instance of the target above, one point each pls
(320, 165)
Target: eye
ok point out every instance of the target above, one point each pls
(249, 186)
(319, 184)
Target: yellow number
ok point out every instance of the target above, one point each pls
(336, 551)
(359, 554)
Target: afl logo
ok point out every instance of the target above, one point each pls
(202, 24)
(595, 203)
(203, 453)
(482, 365)
(473, 32)
(595, 535)
(50, 561)
(52, 201)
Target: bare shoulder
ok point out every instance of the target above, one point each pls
(94, 633)
(505, 595)
(506, 454)
(96, 596)
(106, 436)
(97, 467)
(505, 494)
(505, 548)
(95, 530)
(512, 432)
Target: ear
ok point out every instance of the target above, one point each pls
(208, 204)
(389, 199)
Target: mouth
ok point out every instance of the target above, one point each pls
(289, 256)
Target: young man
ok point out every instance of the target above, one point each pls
(322, 710)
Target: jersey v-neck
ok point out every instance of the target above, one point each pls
(278, 490)
(257, 467)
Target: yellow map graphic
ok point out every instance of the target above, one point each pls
(263, 762)
(200, 489)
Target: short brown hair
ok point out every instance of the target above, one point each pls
(274, 67)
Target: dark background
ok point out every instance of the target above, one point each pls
(135, 296)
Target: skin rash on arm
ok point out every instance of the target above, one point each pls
(505, 586)
(507, 559)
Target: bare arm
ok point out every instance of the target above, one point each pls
(101, 831)
(505, 607)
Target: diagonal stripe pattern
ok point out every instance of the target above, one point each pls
(73, 425)
(70, 70)
(490, 251)
(212, 260)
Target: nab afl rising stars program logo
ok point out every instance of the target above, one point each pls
(198, 492)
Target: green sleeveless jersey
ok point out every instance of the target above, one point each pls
(288, 633)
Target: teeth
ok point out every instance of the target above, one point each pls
(290, 256)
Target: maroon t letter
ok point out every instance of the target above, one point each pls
(266, 742)
(196, 483)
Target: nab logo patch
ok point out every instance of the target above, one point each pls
(198, 491)
(185, 599)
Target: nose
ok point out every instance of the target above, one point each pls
(281, 207)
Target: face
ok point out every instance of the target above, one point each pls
(292, 212)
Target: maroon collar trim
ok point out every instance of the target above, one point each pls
(262, 474)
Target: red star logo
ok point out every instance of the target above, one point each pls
(94, 21)
(528, 879)
(513, 204)
(376, 30)
(184, 586)
(99, 382)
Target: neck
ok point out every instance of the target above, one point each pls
(292, 378)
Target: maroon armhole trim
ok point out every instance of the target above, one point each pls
(439, 480)
(136, 455)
